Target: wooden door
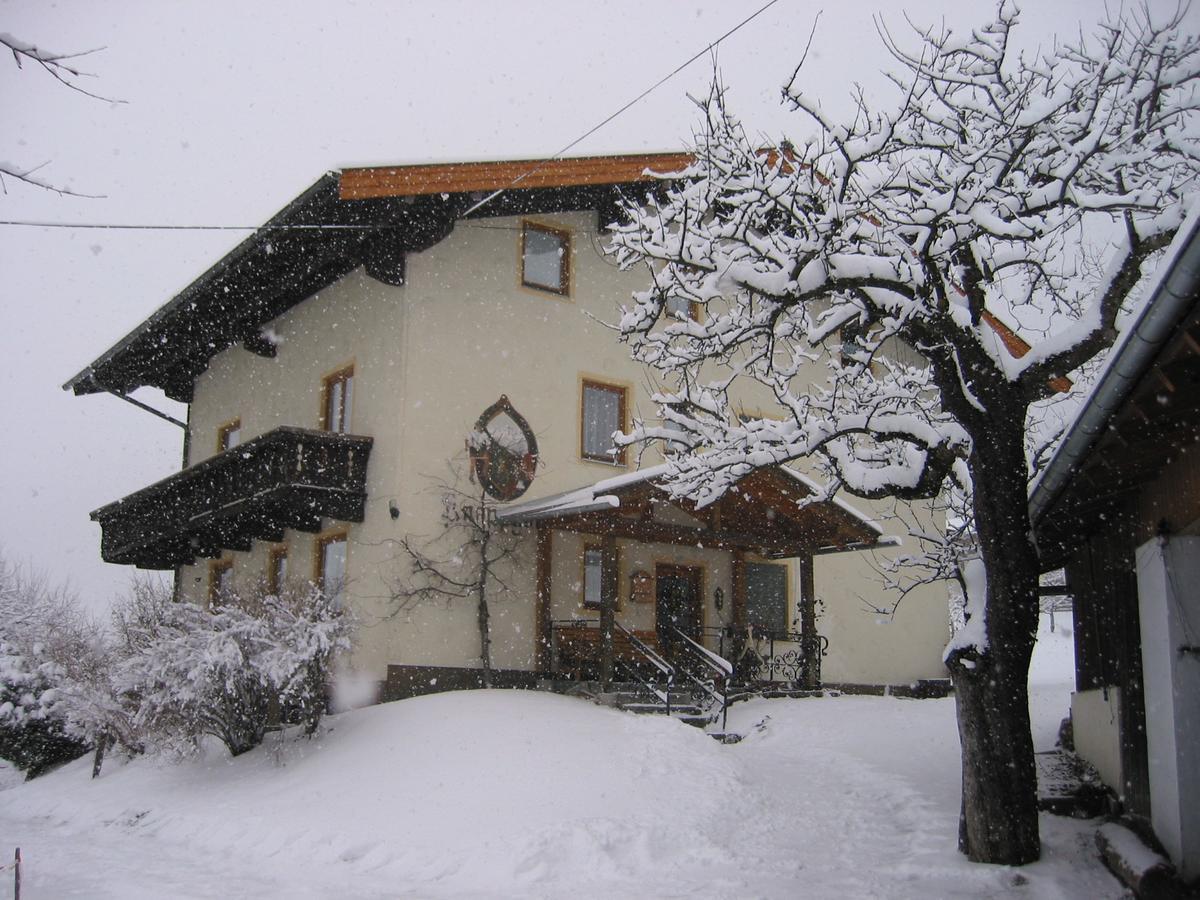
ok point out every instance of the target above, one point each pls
(677, 603)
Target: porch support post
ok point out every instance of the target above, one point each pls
(543, 650)
(810, 642)
(608, 607)
(737, 640)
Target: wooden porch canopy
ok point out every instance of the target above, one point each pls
(762, 514)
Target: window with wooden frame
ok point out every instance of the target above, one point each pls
(681, 308)
(593, 577)
(277, 569)
(229, 435)
(602, 412)
(220, 582)
(331, 565)
(337, 400)
(546, 258)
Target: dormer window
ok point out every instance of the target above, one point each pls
(229, 435)
(545, 258)
(337, 401)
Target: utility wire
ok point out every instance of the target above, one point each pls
(486, 200)
(754, 15)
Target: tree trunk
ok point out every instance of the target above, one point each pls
(485, 636)
(999, 820)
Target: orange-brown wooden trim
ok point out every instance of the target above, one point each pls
(409, 181)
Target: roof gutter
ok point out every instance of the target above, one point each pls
(1172, 298)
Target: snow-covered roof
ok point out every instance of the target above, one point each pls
(1169, 299)
(606, 495)
(367, 217)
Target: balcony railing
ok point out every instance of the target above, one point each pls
(286, 478)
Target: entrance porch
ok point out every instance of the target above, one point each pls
(634, 584)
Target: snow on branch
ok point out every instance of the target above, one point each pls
(864, 275)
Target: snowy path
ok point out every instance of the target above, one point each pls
(511, 794)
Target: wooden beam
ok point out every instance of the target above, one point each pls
(810, 643)
(541, 630)
(737, 586)
(608, 606)
(456, 178)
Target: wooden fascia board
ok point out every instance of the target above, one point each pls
(457, 178)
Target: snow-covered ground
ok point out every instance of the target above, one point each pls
(513, 794)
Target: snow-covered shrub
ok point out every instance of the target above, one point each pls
(38, 627)
(224, 672)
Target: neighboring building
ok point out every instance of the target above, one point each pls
(1119, 507)
(334, 365)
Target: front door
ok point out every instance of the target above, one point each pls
(676, 604)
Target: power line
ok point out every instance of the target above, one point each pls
(328, 226)
(486, 200)
(754, 15)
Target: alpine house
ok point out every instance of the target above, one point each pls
(384, 350)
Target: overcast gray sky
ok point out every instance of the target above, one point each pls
(232, 108)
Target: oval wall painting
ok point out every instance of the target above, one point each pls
(503, 450)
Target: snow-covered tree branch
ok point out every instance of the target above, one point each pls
(874, 277)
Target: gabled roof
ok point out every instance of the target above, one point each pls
(370, 217)
(765, 512)
(1143, 409)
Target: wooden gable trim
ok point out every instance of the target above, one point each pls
(452, 178)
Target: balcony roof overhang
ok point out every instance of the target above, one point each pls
(770, 512)
(368, 217)
(288, 478)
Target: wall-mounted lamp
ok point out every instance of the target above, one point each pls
(393, 509)
(719, 599)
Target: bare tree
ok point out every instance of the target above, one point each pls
(919, 233)
(467, 560)
(62, 67)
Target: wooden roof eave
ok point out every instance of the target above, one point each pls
(744, 520)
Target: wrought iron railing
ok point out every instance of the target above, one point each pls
(647, 661)
(764, 655)
(704, 673)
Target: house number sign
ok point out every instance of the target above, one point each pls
(503, 451)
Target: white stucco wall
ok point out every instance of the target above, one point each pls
(1095, 727)
(428, 358)
(1168, 579)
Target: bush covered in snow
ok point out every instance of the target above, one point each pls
(164, 676)
(39, 627)
(227, 672)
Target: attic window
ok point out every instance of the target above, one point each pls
(545, 258)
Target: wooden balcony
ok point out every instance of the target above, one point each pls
(286, 478)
